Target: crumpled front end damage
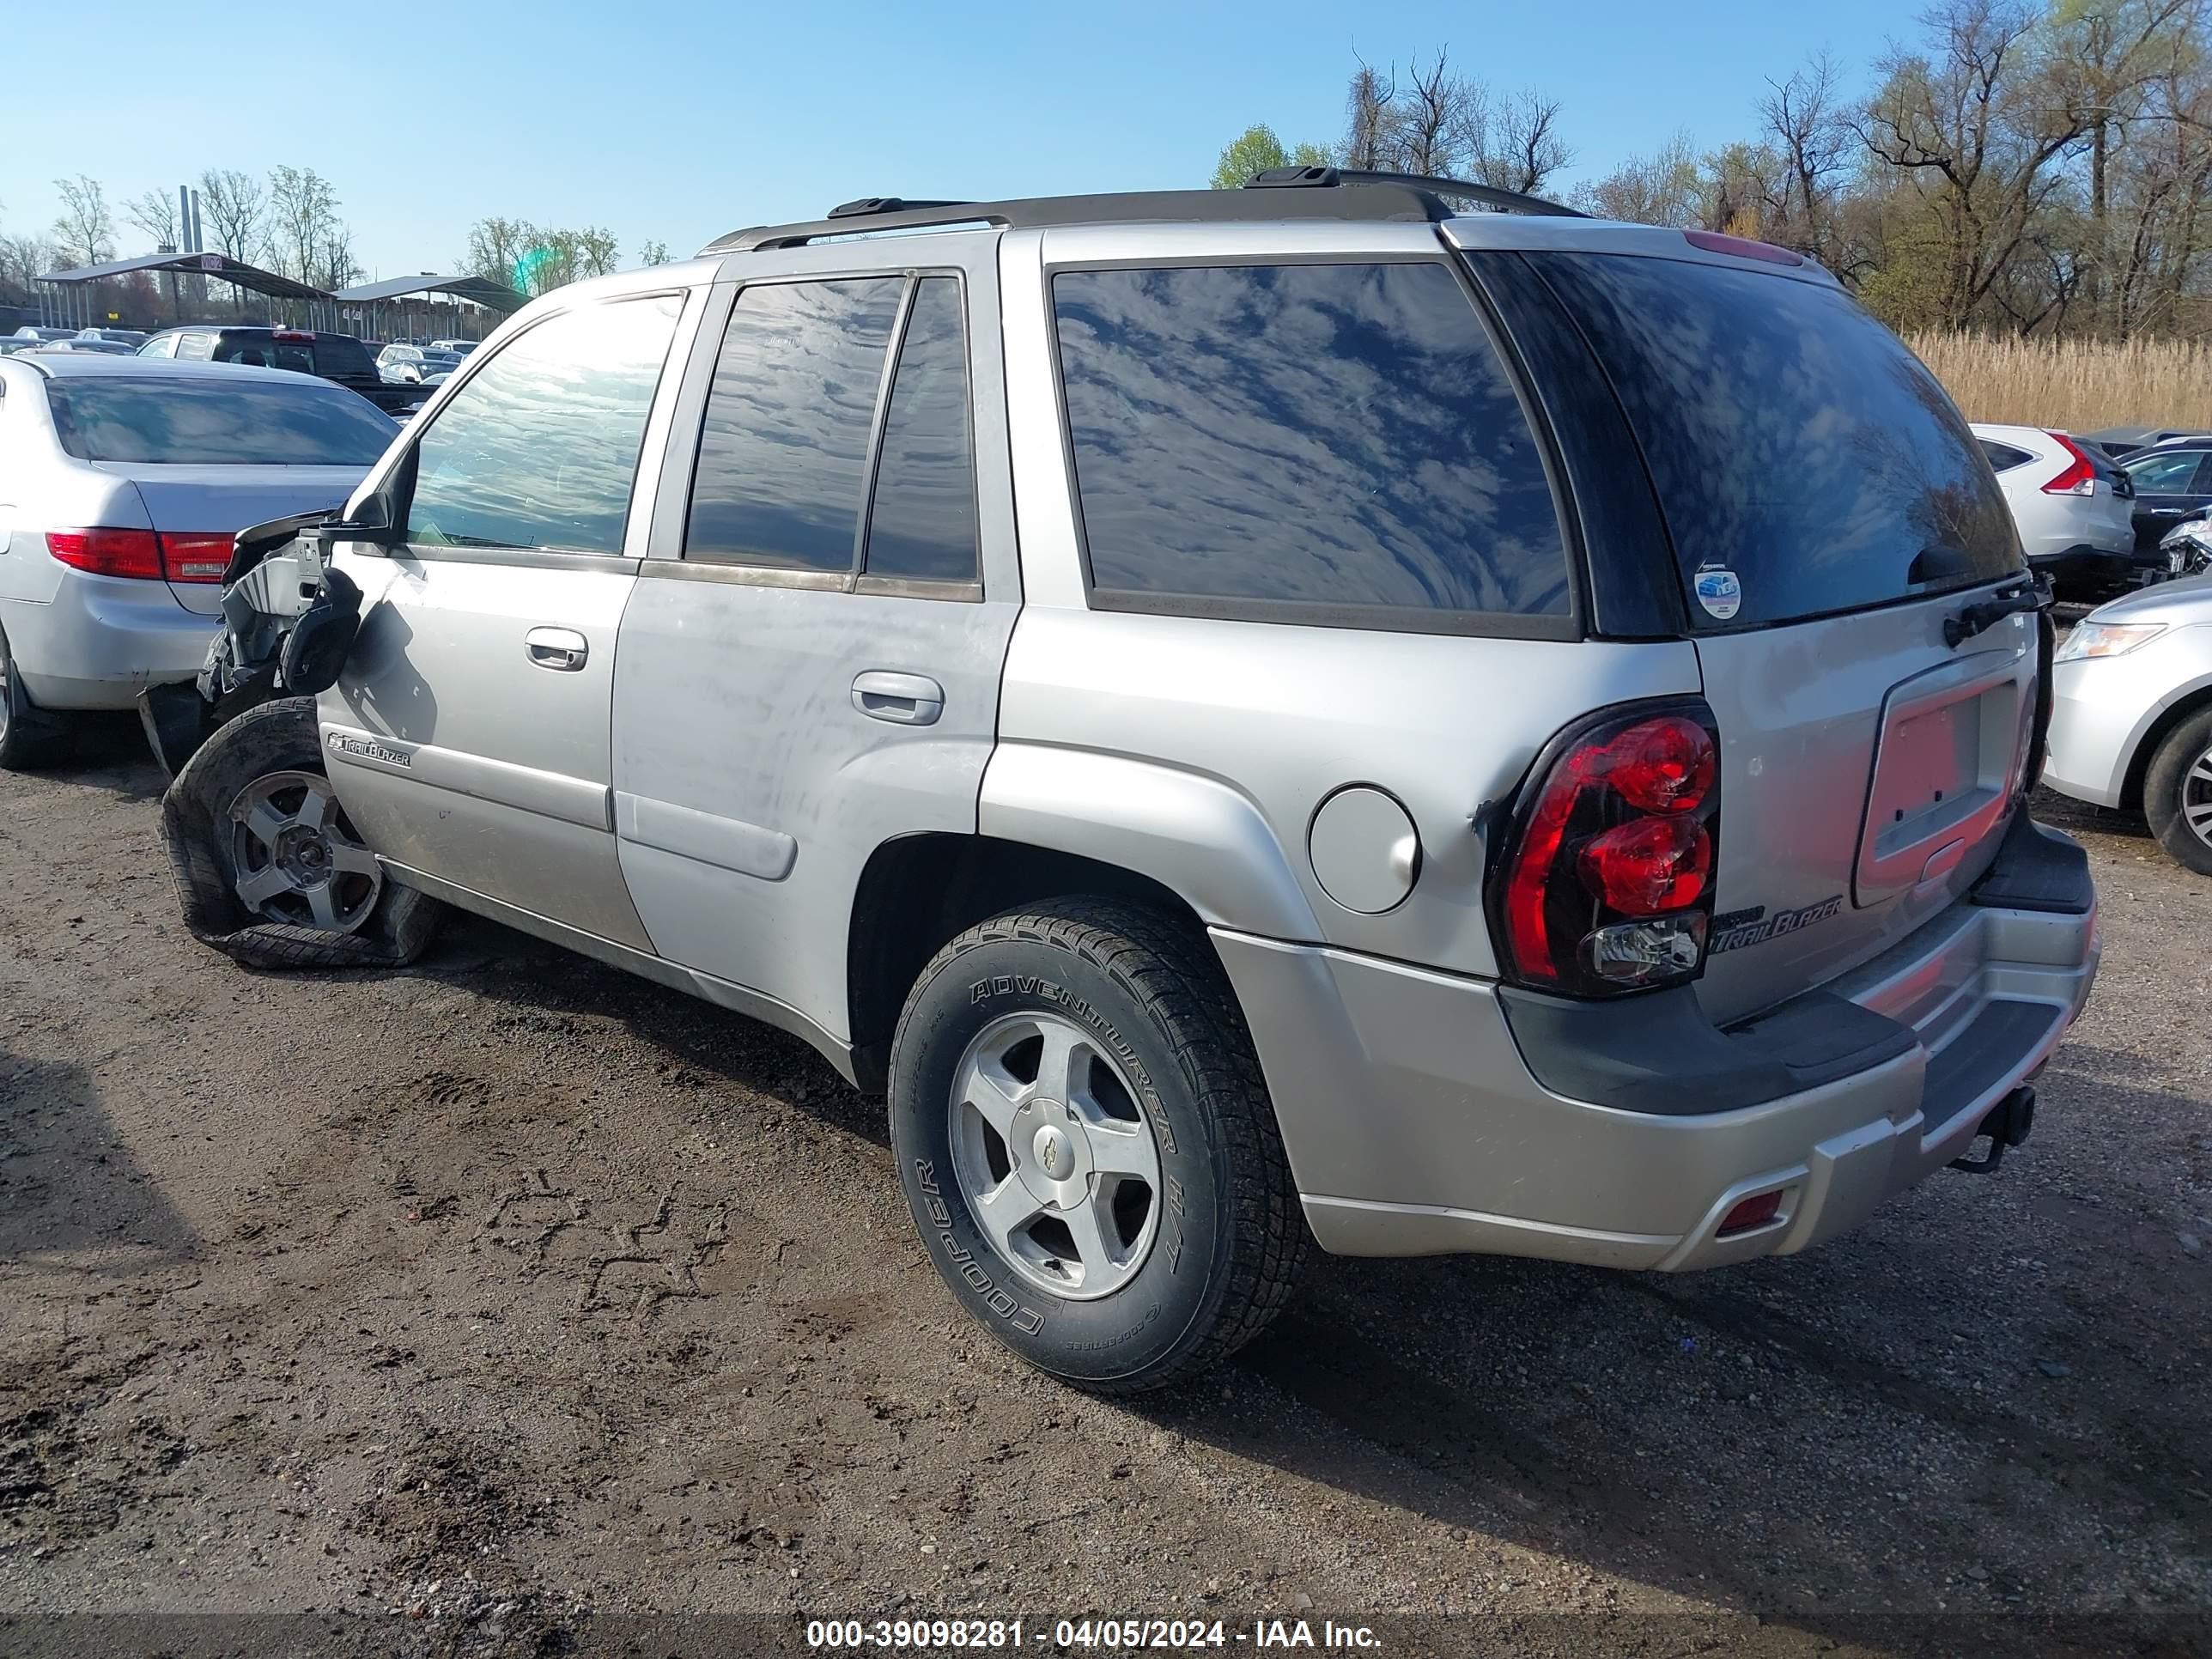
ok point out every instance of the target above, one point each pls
(288, 621)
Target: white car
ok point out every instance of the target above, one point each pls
(122, 482)
(2075, 524)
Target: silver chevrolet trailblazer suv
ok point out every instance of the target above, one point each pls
(1358, 708)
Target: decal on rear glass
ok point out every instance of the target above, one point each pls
(1718, 592)
(1754, 927)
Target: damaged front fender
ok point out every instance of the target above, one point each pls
(288, 622)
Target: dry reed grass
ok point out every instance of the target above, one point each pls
(2076, 385)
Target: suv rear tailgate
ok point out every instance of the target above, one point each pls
(1829, 514)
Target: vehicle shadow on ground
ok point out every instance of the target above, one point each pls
(73, 1199)
(107, 751)
(509, 966)
(1556, 1438)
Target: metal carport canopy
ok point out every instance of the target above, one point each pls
(478, 290)
(219, 266)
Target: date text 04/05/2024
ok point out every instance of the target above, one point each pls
(1118, 1635)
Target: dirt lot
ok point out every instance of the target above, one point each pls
(495, 1305)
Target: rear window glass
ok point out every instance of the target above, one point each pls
(339, 354)
(1282, 440)
(180, 420)
(1806, 461)
(2003, 457)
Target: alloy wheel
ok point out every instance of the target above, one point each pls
(295, 857)
(1055, 1156)
(2196, 798)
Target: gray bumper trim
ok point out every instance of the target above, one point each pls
(1414, 1128)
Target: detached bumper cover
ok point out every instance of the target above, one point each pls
(1425, 1113)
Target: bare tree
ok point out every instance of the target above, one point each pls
(1371, 119)
(303, 209)
(1521, 147)
(233, 213)
(23, 260)
(1433, 114)
(598, 253)
(495, 246)
(1976, 129)
(1804, 121)
(156, 213)
(1663, 188)
(84, 233)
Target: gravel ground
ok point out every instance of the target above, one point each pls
(507, 1303)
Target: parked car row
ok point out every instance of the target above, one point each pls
(1181, 695)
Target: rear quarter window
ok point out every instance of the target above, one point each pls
(2003, 458)
(1335, 443)
(1807, 463)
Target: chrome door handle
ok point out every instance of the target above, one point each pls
(561, 649)
(902, 698)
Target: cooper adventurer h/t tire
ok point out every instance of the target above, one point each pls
(1087, 1145)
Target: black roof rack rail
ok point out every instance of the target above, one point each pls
(1303, 193)
(1501, 201)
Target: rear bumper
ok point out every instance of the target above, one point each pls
(2083, 566)
(103, 640)
(1417, 1123)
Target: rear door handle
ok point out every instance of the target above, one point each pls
(561, 649)
(902, 698)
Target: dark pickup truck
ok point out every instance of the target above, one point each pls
(338, 357)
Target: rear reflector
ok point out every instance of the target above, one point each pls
(132, 553)
(1752, 1212)
(1741, 247)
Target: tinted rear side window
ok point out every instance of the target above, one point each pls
(2003, 457)
(1806, 461)
(922, 524)
(784, 452)
(180, 420)
(1287, 441)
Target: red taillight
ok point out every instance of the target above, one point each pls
(143, 554)
(299, 334)
(1742, 247)
(2079, 478)
(1649, 866)
(1665, 765)
(1607, 884)
(195, 558)
(108, 552)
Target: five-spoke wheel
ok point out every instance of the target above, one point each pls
(295, 856)
(1054, 1155)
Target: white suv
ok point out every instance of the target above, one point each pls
(1253, 714)
(2074, 513)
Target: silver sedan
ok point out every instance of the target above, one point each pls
(2131, 714)
(122, 482)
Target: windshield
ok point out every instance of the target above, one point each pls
(181, 422)
(1806, 461)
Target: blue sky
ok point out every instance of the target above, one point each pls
(680, 122)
